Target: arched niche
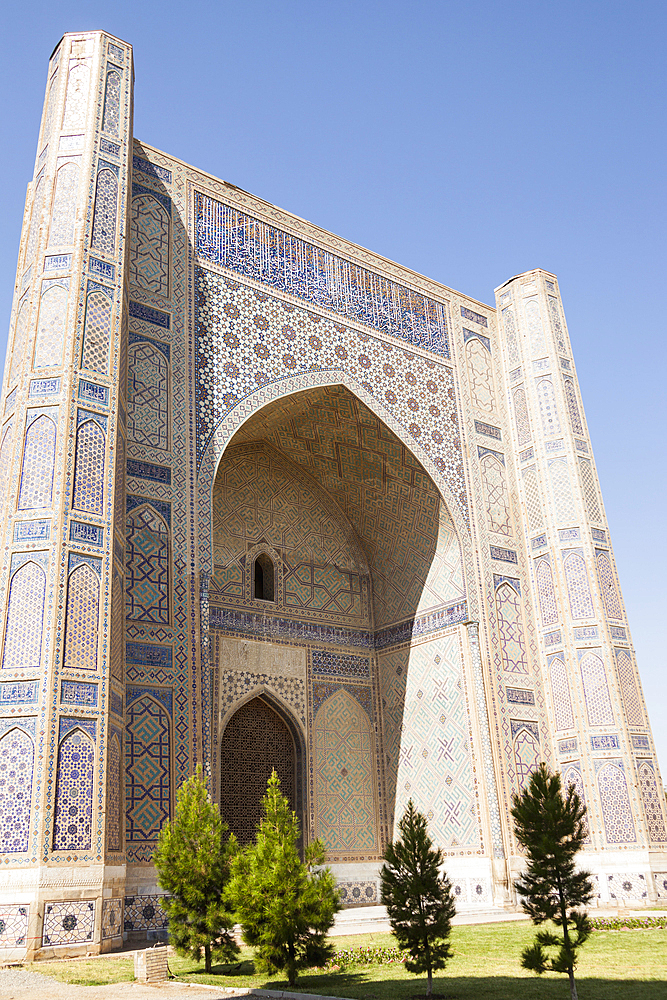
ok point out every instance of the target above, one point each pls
(259, 734)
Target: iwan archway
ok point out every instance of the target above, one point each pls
(360, 640)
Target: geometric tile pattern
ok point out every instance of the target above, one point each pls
(113, 809)
(25, 615)
(616, 810)
(358, 893)
(51, 328)
(72, 828)
(629, 691)
(147, 566)
(20, 337)
(573, 406)
(112, 918)
(63, 212)
(535, 330)
(13, 925)
(629, 885)
(144, 913)
(343, 760)
(572, 776)
(560, 693)
(256, 741)
(608, 586)
(68, 922)
(596, 692)
(548, 410)
(655, 820)
(497, 498)
(238, 241)
(521, 417)
(590, 492)
(16, 766)
(578, 588)
(82, 626)
(6, 454)
(527, 752)
(148, 396)
(76, 103)
(661, 884)
(38, 458)
(561, 487)
(510, 626)
(149, 247)
(435, 766)
(88, 493)
(511, 340)
(95, 354)
(393, 675)
(111, 118)
(480, 376)
(545, 590)
(236, 683)
(147, 770)
(556, 323)
(533, 498)
(104, 219)
(325, 661)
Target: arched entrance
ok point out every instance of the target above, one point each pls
(255, 742)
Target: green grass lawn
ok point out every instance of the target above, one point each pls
(631, 965)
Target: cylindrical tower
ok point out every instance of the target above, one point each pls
(599, 722)
(61, 470)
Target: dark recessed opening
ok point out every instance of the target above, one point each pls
(263, 576)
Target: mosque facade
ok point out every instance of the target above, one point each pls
(272, 500)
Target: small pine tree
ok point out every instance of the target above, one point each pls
(193, 861)
(286, 908)
(551, 828)
(419, 901)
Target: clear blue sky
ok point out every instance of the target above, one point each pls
(469, 141)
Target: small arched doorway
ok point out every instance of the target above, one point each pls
(255, 741)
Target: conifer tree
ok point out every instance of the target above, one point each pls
(419, 900)
(551, 827)
(285, 906)
(193, 861)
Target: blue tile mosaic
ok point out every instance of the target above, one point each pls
(78, 693)
(618, 633)
(44, 387)
(468, 334)
(488, 429)
(473, 317)
(19, 693)
(109, 148)
(503, 555)
(325, 661)
(147, 655)
(164, 199)
(86, 534)
(102, 269)
(610, 742)
(567, 746)
(282, 261)
(552, 639)
(405, 631)
(149, 315)
(145, 470)
(519, 696)
(58, 262)
(641, 742)
(32, 531)
(93, 393)
(151, 169)
(587, 632)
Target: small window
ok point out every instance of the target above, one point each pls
(263, 575)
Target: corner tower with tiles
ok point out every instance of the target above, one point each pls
(61, 470)
(270, 499)
(598, 719)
